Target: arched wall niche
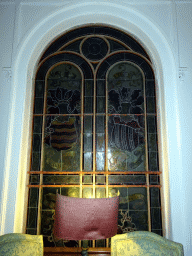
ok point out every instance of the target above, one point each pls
(26, 58)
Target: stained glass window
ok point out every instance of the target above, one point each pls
(95, 131)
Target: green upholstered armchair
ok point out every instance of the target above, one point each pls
(144, 243)
(21, 244)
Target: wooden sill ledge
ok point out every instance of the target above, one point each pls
(58, 251)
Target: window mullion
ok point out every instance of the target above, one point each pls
(41, 166)
(146, 159)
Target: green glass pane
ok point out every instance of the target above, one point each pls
(151, 124)
(87, 193)
(87, 179)
(150, 88)
(36, 143)
(100, 142)
(39, 88)
(100, 124)
(36, 160)
(32, 218)
(127, 179)
(155, 197)
(89, 88)
(114, 191)
(88, 162)
(101, 243)
(154, 180)
(125, 222)
(34, 179)
(88, 128)
(37, 124)
(100, 161)
(60, 179)
(31, 231)
(100, 179)
(137, 198)
(156, 222)
(49, 198)
(73, 47)
(33, 197)
(100, 104)
(114, 46)
(100, 193)
(152, 142)
(157, 231)
(72, 191)
(38, 107)
(88, 141)
(119, 160)
(153, 161)
(139, 219)
(88, 105)
(47, 221)
(101, 88)
(150, 104)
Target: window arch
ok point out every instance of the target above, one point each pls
(94, 130)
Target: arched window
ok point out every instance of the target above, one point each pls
(94, 130)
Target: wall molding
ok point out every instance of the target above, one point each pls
(7, 74)
(182, 73)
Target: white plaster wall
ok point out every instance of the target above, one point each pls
(162, 26)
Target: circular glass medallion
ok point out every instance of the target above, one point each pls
(94, 48)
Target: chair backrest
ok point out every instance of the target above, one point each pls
(21, 244)
(144, 243)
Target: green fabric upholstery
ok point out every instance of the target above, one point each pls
(16, 244)
(144, 243)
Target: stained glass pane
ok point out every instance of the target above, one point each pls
(115, 46)
(100, 124)
(153, 161)
(127, 179)
(94, 48)
(88, 124)
(64, 89)
(100, 161)
(87, 179)
(101, 87)
(88, 139)
(125, 89)
(100, 179)
(88, 107)
(62, 144)
(61, 179)
(87, 192)
(100, 141)
(101, 105)
(126, 146)
(34, 179)
(150, 104)
(154, 180)
(100, 192)
(88, 161)
(73, 47)
(89, 88)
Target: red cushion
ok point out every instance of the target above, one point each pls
(85, 218)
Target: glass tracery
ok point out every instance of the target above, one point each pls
(94, 130)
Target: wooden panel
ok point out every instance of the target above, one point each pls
(58, 251)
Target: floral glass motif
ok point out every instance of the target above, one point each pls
(95, 131)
